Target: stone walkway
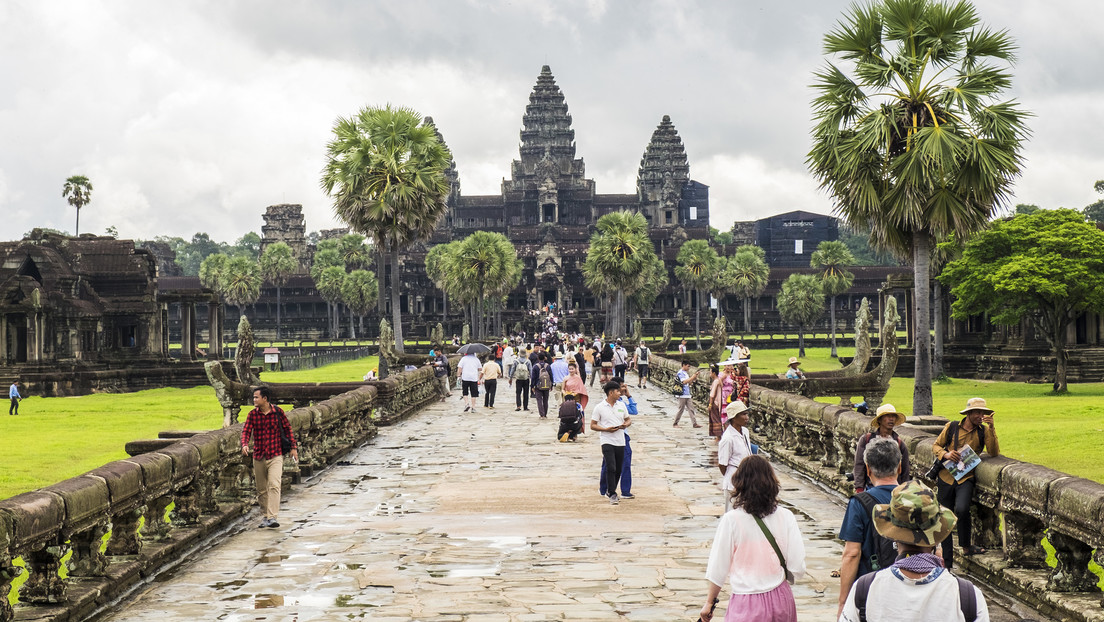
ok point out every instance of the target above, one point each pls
(453, 516)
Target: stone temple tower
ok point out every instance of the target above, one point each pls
(664, 173)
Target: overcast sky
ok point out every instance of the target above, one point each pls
(194, 116)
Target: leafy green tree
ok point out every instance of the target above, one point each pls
(385, 171)
(749, 274)
(78, 192)
(617, 262)
(654, 278)
(359, 293)
(326, 256)
(241, 282)
(801, 302)
(486, 267)
(696, 270)
(354, 252)
(916, 143)
(191, 254)
(439, 270)
(865, 254)
(1026, 208)
(212, 272)
(277, 264)
(1046, 267)
(248, 245)
(1094, 212)
(329, 283)
(832, 259)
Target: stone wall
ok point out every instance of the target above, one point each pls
(204, 475)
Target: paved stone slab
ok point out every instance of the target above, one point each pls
(453, 516)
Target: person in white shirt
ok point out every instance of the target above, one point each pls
(508, 359)
(916, 587)
(470, 372)
(610, 418)
(735, 445)
(743, 556)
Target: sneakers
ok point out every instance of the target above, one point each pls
(467, 408)
(265, 522)
(628, 496)
(614, 499)
(272, 523)
(565, 437)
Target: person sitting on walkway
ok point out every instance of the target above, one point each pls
(684, 400)
(733, 448)
(883, 423)
(792, 371)
(742, 550)
(916, 587)
(864, 551)
(611, 419)
(571, 418)
(975, 431)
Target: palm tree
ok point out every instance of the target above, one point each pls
(78, 192)
(439, 270)
(945, 252)
(696, 269)
(385, 171)
(618, 260)
(212, 272)
(918, 144)
(487, 266)
(801, 302)
(749, 274)
(241, 282)
(359, 291)
(276, 264)
(831, 258)
(329, 284)
(354, 252)
(326, 256)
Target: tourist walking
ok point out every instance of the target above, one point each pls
(640, 360)
(442, 370)
(733, 448)
(976, 431)
(542, 385)
(716, 425)
(470, 371)
(620, 360)
(492, 370)
(684, 400)
(742, 551)
(883, 423)
(864, 550)
(610, 419)
(682, 348)
(523, 371)
(15, 397)
(606, 358)
(559, 374)
(588, 363)
(916, 588)
(265, 435)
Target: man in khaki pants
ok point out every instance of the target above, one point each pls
(264, 424)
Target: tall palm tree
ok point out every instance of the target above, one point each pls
(439, 269)
(360, 294)
(78, 192)
(917, 143)
(696, 269)
(276, 264)
(241, 282)
(326, 256)
(831, 258)
(617, 261)
(749, 273)
(801, 302)
(488, 262)
(385, 172)
(354, 252)
(329, 284)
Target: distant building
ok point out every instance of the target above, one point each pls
(790, 238)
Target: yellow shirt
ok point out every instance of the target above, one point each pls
(943, 445)
(491, 371)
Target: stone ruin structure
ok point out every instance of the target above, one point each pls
(284, 223)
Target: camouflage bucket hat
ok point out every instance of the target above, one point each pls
(914, 516)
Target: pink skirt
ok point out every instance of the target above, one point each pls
(777, 605)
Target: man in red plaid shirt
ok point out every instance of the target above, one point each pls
(264, 425)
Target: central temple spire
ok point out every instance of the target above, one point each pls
(546, 126)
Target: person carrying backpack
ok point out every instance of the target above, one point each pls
(916, 586)
(640, 360)
(542, 385)
(523, 371)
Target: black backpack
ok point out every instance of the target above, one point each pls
(885, 550)
(967, 598)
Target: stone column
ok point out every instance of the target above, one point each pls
(214, 335)
(3, 339)
(33, 349)
(165, 329)
(187, 335)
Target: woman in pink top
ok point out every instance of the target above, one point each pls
(728, 386)
(743, 556)
(575, 384)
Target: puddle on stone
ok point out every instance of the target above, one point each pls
(225, 584)
(268, 601)
(510, 543)
(271, 558)
(348, 566)
(465, 571)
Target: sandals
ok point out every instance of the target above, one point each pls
(973, 549)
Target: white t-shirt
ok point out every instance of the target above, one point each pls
(893, 596)
(607, 417)
(731, 451)
(469, 368)
(507, 356)
(682, 348)
(742, 556)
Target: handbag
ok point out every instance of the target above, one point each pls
(781, 560)
(285, 440)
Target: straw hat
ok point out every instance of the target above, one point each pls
(914, 516)
(975, 403)
(794, 361)
(883, 410)
(735, 408)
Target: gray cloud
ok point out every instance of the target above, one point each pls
(194, 116)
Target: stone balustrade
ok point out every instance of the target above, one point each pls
(203, 478)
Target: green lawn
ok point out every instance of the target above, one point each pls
(349, 371)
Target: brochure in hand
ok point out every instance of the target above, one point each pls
(967, 461)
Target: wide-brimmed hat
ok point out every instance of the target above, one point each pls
(735, 408)
(914, 516)
(883, 410)
(794, 361)
(975, 403)
(568, 394)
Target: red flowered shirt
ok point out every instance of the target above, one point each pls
(265, 430)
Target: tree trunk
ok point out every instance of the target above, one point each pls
(697, 321)
(940, 330)
(277, 312)
(1058, 342)
(921, 319)
(747, 315)
(77, 233)
(832, 316)
(337, 320)
(801, 340)
(396, 313)
(352, 327)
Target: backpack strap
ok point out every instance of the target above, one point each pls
(967, 599)
(862, 590)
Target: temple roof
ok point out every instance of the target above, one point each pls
(664, 157)
(546, 125)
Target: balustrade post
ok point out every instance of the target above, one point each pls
(43, 585)
(187, 509)
(124, 532)
(1072, 573)
(87, 559)
(156, 528)
(1023, 535)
